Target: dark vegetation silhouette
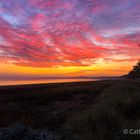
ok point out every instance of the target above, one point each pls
(135, 72)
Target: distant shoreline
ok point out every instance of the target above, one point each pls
(16, 82)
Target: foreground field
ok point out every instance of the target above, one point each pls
(75, 111)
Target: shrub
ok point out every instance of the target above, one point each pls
(21, 132)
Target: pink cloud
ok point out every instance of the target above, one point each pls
(64, 33)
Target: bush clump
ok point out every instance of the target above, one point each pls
(21, 132)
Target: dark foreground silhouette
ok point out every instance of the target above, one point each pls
(70, 111)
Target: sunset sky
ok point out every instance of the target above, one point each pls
(68, 37)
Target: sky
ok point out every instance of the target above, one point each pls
(68, 37)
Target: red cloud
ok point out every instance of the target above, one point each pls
(62, 33)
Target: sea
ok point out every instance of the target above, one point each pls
(42, 81)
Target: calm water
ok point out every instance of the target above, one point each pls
(20, 82)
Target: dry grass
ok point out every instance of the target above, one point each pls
(41, 106)
(117, 109)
